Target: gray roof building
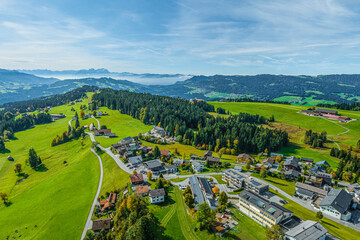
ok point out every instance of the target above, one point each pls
(153, 164)
(136, 160)
(338, 199)
(157, 193)
(308, 190)
(196, 191)
(307, 230)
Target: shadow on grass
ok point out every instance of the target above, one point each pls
(8, 203)
(6, 151)
(332, 225)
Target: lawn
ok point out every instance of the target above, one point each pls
(218, 178)
(334, 228)
(48, 199)
(286, 186)
(178, 179)
(122, 125)
(114, 176)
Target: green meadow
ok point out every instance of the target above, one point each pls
(47, 205)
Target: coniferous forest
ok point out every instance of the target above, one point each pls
(191, 121)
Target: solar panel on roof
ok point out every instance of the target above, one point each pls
(255, 183)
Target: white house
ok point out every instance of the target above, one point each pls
(157, 196)
(336, 204)
(197, 166)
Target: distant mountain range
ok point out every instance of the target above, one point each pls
(310, 90)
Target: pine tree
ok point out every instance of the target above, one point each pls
(34, 160)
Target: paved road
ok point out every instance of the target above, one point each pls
(97, 121)
(88, 224)
(108, 151)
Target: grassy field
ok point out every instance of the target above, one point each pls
(114, 176)
(48, 198)
(286, 186)
(334, 228)
(120, 124)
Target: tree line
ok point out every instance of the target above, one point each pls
(344, 106)
(253, 100)
(191, 123)
(349, 166)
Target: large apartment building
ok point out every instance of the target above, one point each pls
(239, 180)
(261, 210)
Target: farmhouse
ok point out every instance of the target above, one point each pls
(326, 178)
(126, 140)
(242, 158)
(268, 161)
(157, 196)
(307, 230)
(291, 174)
(101, 224)
(208, 153)
(213, 160)
(261, 210)
(100, 132)
(327, 111)
(308, 161)
(340, 118)
(324, 162)
(336, 204)
(142, 190)
(165, 153)
(291, 163)
(136, 179)
(55, 117)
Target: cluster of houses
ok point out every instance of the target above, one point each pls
(198, 163)
(319, 112)
(159, 133)
(55, 117)
(254, 204)
(142, 189)
(104, 207)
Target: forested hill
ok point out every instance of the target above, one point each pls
(302, 89)
(306, 90)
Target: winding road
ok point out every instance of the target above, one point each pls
(88, 224)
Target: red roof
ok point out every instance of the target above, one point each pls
(103, 131)
(136, 178)
(165, 152)
(112, 198)
(336, 117)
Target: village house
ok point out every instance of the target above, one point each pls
(146, 149)
(337, 204)
(135, 161)
(261, 210)
(126, 140)
(213, 160)
(100, 132)
(242, 158)
(108, 203)
(154, 166)
(268, 161)
(136, 179)
(142, 191)
(197, 166)
(326, 178)
(165, 153)
(55, 117)
(291, 174)
(157, 196)
(177, 162)
(354, 190)
(274, 155)
(324, 162)
(307, 230)
(170, 169)
(308, 161)
(208, 153)
(291, 163)
(101, 224)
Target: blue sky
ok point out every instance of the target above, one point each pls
(190, 36)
